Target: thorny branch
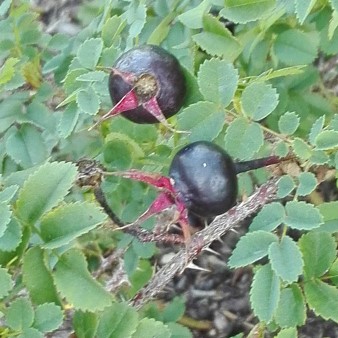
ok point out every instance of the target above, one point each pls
(203, 239)
(200, 241)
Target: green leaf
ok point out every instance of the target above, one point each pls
(319, 252)
(93, 76)
(251, 247)
(37, 278)
(174, 310)
(85, 324)
(218, 81)
(204, 120)
(76, 284)
(19, 314)
(286, 259)
(287, 71)
(44, 189)
(301, 149)
(322, 299)
(26, 146)
(268, 218)
(243, 11)
(333, 25)
(294, 47)
(282, 149)
(143, 250)
(112, 29)
(136, 16)
(88, 101)
(291, 309)
(6, 283)
(11, 238)
(259, 100)
(218, 42)
(178, 330)
(193, 18)
(160, 33)
(302, 216)
(68, 120)
(329, 211)
(317, 128)
(327, 139)
(307, 183)
(89, 52)
(264, 293)
(243, 138)
(333, 273)
(147, 326)
(6, 214)
(118, 321)
(30, 332)
(48, 317)
(4, 7)
(8, 193)
(303, 9)
(67, 222)
(7, 70)
(290, 332)
(288, 123)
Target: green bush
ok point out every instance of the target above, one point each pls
(255, 92)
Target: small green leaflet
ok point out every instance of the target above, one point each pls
(89, 52)
(243, 11)
(6, 214)
(291, 311)
(286, 259)
(301, 149)
(316, 129)
(322, 299)
(204, 120)
(243, 138)
(193, 18)
(327, 139)
(307, 183)
(20, 314)
(48, 317)
(7, 70)
(288, 123)
(302, 216)
(26, 146)
(68, 120)
(112, 29)
(117, 321)
(294, 47)
(290, 332)
(265, 293)
(317, 260)
(303, 9)
(259, 100)
(218, 81)
(76, 284)
(37, 278)
(44, 189)
(147, 326)
(11, 238)
(268, 218)
(251, 247)
(6, 283)
(58, 227)
(88, 101)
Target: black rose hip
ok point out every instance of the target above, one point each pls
(146, 85)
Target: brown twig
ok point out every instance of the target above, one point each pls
(203, 239)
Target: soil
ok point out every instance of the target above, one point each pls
(217, 300)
